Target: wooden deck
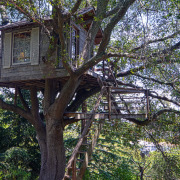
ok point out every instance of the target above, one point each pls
(101, 116)
(89, 79)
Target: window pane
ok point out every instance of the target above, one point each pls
(21, 48)
(73, 44)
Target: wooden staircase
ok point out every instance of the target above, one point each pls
(113, 103)
(82, 153)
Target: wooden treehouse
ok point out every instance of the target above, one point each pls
(24, 63)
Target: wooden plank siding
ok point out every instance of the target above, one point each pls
(34, 70)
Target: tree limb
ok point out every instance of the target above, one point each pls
(23, 10)
(113, 21)
(16, 109)
(70, 121)
(76, 6)
(26, 107)
(163, 98)
(114, 10)
(60, 30)
(81, 96)
(102, 55)
(155, 40)
(157, 81)
(153, 117)
(93, 30)
(34, 102)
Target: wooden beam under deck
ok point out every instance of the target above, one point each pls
(101, 116)
(88, 80)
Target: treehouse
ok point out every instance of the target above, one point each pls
(24, 50)
(24, 63)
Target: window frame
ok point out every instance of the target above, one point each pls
(77, 34)
(13, 34)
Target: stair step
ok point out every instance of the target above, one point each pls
(129, 108)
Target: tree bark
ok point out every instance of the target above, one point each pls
(52, 152)
(52, 146)
(41, 137)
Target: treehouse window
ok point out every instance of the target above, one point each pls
(74, 44)
(21, 47)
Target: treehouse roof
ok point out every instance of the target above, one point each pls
(85, 14)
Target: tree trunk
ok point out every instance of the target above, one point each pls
(53, 154)
(41, 137)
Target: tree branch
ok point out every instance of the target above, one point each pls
(93, 30)
(34, 102)
(60, 30)
(23, 10)
(16, 109)
(37, 121)
(138, 122)
(115, 9)
(49, 94)
(155, 40)
(58, 107)
(81, 96)
(70, 121)
(76, 6)
(157, 81)
(113, 21)
(26, 107)
(102, 55)
(153, 117)
(163, 98)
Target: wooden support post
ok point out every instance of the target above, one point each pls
(84, 110)
(83, 124)
(74, 169)
(109, 102)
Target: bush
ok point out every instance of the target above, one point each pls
(15, 165)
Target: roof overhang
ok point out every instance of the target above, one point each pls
(87, 15)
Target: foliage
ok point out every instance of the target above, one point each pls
(160, 168)
(19, 152)
(140, 44)
(15, 164)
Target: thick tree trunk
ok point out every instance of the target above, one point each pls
(53, 154)
(41, 137)
(51, 142)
